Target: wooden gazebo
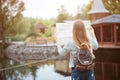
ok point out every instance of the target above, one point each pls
(107, 27)
(107, 30)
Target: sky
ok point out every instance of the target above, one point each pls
(48, 8)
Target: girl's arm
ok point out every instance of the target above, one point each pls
(57, 40)
(61, 50)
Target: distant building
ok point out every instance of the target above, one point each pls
(40, 28)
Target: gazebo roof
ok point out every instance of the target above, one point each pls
(109, 19)
(98, 7)
(40, 26)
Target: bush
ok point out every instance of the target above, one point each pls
(17, 38)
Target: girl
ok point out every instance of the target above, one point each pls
(80, 40)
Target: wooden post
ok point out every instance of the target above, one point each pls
(112, 34)
(102, 71)
(116, 71)
(115, 34)
(101, 34)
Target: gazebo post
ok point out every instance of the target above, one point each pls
(112, 36)
(101, 34)
(115, 35)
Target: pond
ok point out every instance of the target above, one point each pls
(107, 68)
(38, 71)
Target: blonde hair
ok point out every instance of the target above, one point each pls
(80, 37)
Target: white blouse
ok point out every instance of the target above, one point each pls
(72, 49)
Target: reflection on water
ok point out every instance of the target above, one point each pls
(38, 71)
(107, 71)
(55, 70)
(59, 70)
(62, 67)
(48, 73)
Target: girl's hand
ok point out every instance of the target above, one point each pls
(92, 31)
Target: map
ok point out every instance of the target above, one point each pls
(64, 30)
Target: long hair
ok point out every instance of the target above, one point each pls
(80, 37)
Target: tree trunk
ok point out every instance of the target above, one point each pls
(2, 37)
(2, 30)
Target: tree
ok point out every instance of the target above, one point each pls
(63, 15)
(80, 14)
(112, 5)
(86, 9)
(10, 12)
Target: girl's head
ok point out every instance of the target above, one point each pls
(79, 34)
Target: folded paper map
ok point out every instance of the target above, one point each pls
(64, 30)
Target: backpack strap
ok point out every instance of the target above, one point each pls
(91, 52)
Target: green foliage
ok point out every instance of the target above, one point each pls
(49, 24)
(14, 27)
(86, 8)
(16, 38)
(28, 25)
(48, 33)
(10, 17)
(62, 17)
(10, 10)
(112, 5)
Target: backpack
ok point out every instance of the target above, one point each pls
(83, 60)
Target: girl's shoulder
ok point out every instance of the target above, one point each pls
(71, 44)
